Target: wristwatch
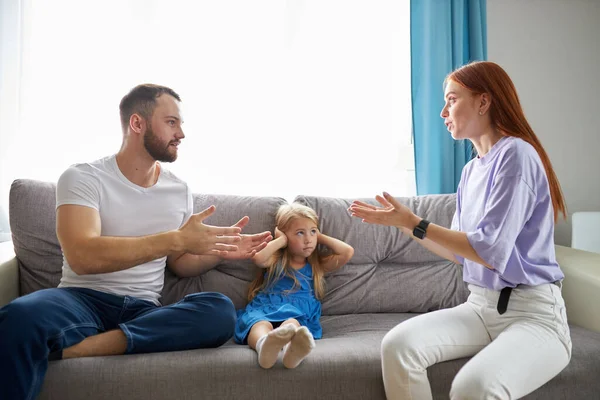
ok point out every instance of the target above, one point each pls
(421, 230)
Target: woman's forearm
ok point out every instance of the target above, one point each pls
(432, 246)
(454, 241)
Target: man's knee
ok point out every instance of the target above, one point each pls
(225, 309)
(18, 321)
(219, 308)
(220, 303)
(19, 312)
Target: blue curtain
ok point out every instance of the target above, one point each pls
(444, 35)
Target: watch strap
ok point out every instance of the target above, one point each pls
(421, 229)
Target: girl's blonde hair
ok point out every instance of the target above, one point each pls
(279, 263)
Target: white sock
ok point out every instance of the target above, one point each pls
(269, 346)
(301, 345)
(259, 343)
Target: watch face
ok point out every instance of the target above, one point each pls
(419, 232)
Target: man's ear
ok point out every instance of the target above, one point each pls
(137, 123)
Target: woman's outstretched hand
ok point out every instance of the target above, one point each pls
(392, 213)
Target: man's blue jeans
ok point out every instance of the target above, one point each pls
(47, 321)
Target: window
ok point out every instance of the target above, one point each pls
(280, 98)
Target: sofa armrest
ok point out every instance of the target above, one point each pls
(9, 274)
(581, 287)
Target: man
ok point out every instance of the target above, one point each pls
(119, 221)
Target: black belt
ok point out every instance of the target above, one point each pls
(505, 295)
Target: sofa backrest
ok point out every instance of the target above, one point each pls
(231, 278)
(33, 224)
(388, 273)
(32, 220)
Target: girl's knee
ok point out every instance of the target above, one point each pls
(291, 321)
(261, 326)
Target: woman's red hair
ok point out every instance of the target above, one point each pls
(507, 114)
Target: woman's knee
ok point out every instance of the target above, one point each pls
(477, 385)
(402, 343)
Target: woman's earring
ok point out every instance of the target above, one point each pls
(480, 112)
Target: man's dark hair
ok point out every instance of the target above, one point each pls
(142, 100)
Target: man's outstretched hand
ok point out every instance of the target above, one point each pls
(249, 245)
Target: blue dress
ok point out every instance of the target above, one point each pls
(274, 304)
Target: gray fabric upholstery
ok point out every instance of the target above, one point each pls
(231, 278)
(344, 365)
(389, 271)
(579, 380)
(40, 257)
(388, 276)
(33, 224)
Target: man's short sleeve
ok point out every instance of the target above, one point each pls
(190, 205)
(79, 187)
(508, 208)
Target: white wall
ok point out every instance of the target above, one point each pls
(551, 49)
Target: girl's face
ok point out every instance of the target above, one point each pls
(302, 237)
(461, 112)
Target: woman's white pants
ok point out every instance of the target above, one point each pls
(513, 353)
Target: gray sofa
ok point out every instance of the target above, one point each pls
(389, 280)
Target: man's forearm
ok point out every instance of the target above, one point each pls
(104, 254)
(187, 265)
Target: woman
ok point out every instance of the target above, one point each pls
(514, 322)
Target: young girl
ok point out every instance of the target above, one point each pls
(284, 307)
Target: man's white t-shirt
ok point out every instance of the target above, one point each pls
(126, 209)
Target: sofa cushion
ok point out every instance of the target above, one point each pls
(384, 261)
(231, 278)
(388, 262)
(33, 225)
(346, 364)
(32, 215)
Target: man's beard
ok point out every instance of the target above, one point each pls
(157, 149)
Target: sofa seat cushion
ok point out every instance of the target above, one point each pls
(344, 365)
